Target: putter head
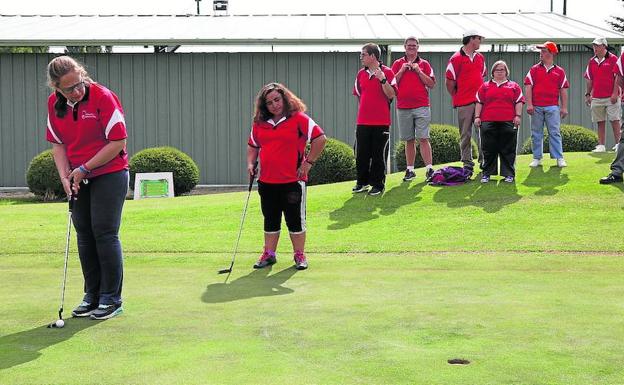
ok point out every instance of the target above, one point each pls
(223, 271)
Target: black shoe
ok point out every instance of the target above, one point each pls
(376, 191)
(84, 309)
(358, 188)
(107, 311)
(611, 179)
(429, 174)
(409, 175)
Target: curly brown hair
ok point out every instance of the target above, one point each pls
(292, 104)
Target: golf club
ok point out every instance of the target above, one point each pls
(60, 323)
(240, 230)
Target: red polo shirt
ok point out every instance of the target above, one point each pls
(411, 91)
(618, 68)
(546, 84)
(468, 73)
(601, 73)
(374, 106)
(282, 146)
(88, 126)
(499, 101)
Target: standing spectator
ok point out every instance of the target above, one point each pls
(87, 129)
(603, 94)
(498, 113)
(279, 135)
(617, 166)
(413, 79)
(464, 75)
(545, 85)
(375, 93)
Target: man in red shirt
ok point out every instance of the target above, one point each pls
(545, 84)
(413, 78)
(617, 166)
(375, 93)
(603, 95)
(464, 76)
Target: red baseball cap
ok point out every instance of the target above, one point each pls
(550, 46)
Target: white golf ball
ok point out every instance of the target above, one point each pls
(60, 323)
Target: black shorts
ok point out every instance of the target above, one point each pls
(287, 198)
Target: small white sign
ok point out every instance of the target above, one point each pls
(153, 185)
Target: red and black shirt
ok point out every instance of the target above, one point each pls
(499, 100)
(282, 146)
(88, 126)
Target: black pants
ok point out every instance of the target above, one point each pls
(371, 152)
(286, 198)
(97, 217)
(498, 141)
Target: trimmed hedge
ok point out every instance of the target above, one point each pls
(43, 179)
(336, 164)
(166, 159)
(574, 138)
(444, 140)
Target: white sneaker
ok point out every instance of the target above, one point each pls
(614, 148)
(562, 163)
(535, 163)
(600, 148)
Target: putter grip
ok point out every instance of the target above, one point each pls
(253, 176)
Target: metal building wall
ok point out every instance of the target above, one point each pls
(202, 103)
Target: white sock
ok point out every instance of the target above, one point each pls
(410, 168)
(429, 166)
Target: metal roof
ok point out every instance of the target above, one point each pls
(315, 29)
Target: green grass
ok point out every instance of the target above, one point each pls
(525, 281)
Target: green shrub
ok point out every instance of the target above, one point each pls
(336, 164)
(574, 138)
(444, 140)
(43, 179)
(166, 159)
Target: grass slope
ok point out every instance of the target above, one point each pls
(524, 281)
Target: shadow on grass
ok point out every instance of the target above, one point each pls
(546, 181)
(258, 283)
(362, 207)
(491, 196)
(26, 346)
(603, 157)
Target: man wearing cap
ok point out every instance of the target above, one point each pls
(413, 78)
(464, 75)
(545, 84)
(602, 93)
(617, 167)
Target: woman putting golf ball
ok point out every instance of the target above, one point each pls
(87, 130)
(279, 135)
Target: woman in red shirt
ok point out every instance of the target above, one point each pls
(279, 136)
(498, 113)
(87, 129)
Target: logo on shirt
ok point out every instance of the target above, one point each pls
(88, 115)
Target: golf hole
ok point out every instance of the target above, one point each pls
(458, 361)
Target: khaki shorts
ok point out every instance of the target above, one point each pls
(414, 122)
(602, 110)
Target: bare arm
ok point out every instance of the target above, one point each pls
(518, 116)
(252, 157)
(59, 153)
(617, 84)
(588, 90)
(528, 93)
(451, 86)
(563, 93)
(426, 79)
(316, 147)
(477, 119)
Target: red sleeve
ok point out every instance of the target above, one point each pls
(428, 70)
(396, 66)
(52, 134)
(518, 96)
(564, 83)
(253, 137)
(357, 91)
(587, 74)
(451, 70)
(528, 79)
(484, 71)
(312, 130)
(481, 93)
(390, 77)
(112, 116)
(617, 68)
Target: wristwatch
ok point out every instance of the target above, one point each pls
(384, 81)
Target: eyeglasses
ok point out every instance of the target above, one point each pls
(364, 54)
(500, 69)
(70, 90)
(411, 45)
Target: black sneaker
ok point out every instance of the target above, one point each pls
(84, 309)
(611, 179)
(376, 191)
(429, 175)
(409, 175)
(358, 188)
(107, 311)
